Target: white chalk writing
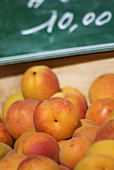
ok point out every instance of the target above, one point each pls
(48, 24)
(37, 3)
(68, 17)
(66, 22)
(34, 3)
(103, 18)
(88, 18)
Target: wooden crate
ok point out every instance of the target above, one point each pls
(77, 71)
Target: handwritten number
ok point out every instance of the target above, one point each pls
(88, 18)
(103, 18)
(49, 25)
(65, 20)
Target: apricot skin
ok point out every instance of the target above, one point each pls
(57, 117)
(76, 149)
(102, 87)
(100, 110)
(39, 83)
(20, 117)
(40, 143)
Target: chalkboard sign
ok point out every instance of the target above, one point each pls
(39, 29)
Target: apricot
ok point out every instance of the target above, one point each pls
(87, 122)
(57, 117)
(73, 151)
(40, 143)
(86, 131)
(76, 91)
(102, 147)
(105, 131)
(20, 117)
(95, 162)
(11, 162)
(76, 100)
(39, 162)
(5, 136)
(4, 149)
(8, 102)
(102, 87)
(100, 110)
(39, 83)
(22, 136)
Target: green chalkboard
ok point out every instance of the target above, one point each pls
(39, 29)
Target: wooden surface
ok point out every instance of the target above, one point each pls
(76, 73)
